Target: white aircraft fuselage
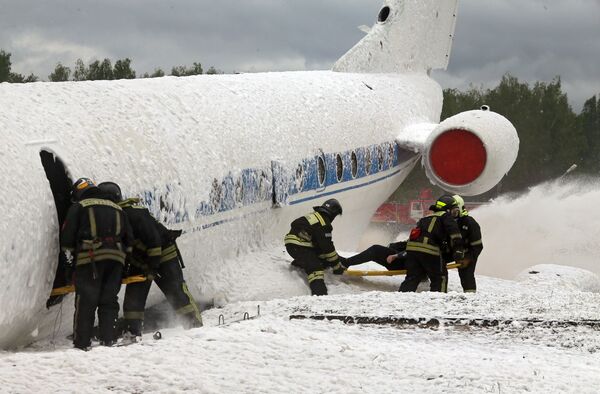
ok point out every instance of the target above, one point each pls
(229, 159)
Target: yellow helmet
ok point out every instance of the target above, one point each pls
(444, 203)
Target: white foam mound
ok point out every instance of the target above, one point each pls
(562, 277)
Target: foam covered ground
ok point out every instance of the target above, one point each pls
(270, 353)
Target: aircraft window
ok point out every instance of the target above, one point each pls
(216, 195)
(354, 164)
(239, 190)
(379, 158)
(339, 167)
(368, 161)
(300, 177)
(391, 155)
(321, 170)
(264, 186)
(383, 14)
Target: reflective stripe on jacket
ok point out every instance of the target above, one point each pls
(435, 229)
(96, 229)
(313, 231)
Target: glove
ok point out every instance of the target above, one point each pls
(69, 263)
(458, 255)
(174, 234)
(338, 269)
(464, 263)
(151, 275)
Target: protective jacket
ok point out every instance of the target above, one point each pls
(96, 229)
(432, 231)
(398, 246)
(314, 231)
(147, 244)
(471, 234)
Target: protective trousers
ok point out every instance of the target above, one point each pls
(378, 254)
(309, 261)
(171, 283)
(420, 264)
(97, 286)
(467, 277)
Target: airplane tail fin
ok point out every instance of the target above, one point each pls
(410, 35)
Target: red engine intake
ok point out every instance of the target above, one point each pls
(458, 157)
(469, 153)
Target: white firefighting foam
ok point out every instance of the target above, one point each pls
(553, 223)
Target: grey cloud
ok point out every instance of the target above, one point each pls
(533, 40)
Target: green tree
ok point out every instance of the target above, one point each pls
(158, 72)
(178, 71)
(4, 66)
(196, 69)
(6, 75)
(100, 70)
(60, 73)
(122, 69)
(183, 71)
(80, 72)
(16, 78)
(212, 71)
(550, 140)
(455, 101)
(20, 78)
(589, 122)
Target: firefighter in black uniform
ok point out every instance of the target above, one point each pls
(425, 243)
(309, 242)
(380, 254)
(471, 234)
(155, 255)
(96, 236)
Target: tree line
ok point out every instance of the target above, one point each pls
(95, 70)
(552, 136)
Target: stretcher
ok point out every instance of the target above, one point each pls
(57, 291)
(388, 273)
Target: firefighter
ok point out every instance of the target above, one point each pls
(155, 255)
(95, 237)
(471, 234)
(382, 255)
(425, 243)
(310, 243)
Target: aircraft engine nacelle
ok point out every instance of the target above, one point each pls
(470, 152)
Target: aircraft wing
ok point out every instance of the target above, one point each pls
(414, 137)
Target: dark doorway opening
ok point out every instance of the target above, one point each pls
(60, 184)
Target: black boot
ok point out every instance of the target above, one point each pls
(318, 288)
(133, 326)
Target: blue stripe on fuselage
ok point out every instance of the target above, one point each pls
(280, 183)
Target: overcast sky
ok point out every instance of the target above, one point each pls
(534, 40)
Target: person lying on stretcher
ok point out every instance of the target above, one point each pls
(392, 257)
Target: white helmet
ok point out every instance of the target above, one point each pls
(461, 204)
